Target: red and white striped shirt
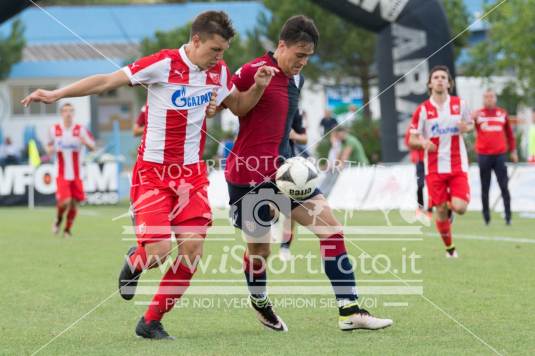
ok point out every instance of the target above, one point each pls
(439, 124)
(68, 144)
(178, 95)
(494, 133)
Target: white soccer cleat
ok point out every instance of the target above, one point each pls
(285, 254)
(362, 320)
(55, 228)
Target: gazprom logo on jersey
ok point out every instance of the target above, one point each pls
(67, 146)
(180, 100)
(436, 130)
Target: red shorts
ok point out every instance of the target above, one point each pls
(169, 198)
(443, 186)
(67, 189)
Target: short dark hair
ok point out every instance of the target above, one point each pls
(299, 28)
(211, 23)
(443, 68)
(65, 105)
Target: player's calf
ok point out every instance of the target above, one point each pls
(137, 260)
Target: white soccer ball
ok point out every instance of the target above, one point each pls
(297, 178)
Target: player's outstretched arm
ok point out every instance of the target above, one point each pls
(94, 84)
(241, 102)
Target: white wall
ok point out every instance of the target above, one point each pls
(393, 187)
(313, 102)
(471, 89)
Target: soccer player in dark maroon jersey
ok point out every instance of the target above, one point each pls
(141, 121)
(170, 181)
(494, 139)
(261, 145)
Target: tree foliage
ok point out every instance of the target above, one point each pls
(11, 48)
(458, 21)
(345, 52)
(509, 48)
(235, 56)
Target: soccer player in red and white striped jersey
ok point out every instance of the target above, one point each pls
(437, 127)
(66, 140)
(169, 180)
(494, 139)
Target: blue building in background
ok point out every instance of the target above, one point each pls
(66, 43)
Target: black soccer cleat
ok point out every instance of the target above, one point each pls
(265, 314)
(153, 330)
(128, 277)
(451, 252)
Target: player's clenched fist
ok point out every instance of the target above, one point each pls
(264, 74)
(212, 105)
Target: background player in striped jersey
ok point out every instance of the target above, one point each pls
(437, 127)
(67, 140)
(169, 180)
(494, 139)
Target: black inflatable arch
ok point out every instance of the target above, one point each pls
(410, 32)
(9, 8)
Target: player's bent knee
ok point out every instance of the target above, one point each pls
(460, 209)
(459, 206)
(192, 250)
(65, 202)
(259, 250)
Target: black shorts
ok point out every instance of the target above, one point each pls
(251, 207)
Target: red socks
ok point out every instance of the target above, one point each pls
(61, 210)
(173, 285)
(332, 246)
(444, 229)
(71, 214)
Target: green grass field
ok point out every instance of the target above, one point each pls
(62, 293)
